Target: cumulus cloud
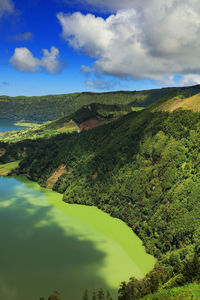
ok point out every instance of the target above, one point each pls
(23, 60)
(154, 39)
(6, 6)
(50, 61)
(190, 79)
(21, 37)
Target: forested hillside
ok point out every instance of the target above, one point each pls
(143, 168)
(51, 107)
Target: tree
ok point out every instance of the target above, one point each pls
(85, 295)
(122, 292)
(100, 295)
(108, 296)
(54, 296)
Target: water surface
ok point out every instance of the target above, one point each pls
(49, 245)
(8, 125)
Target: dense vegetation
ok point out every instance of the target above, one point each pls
(187, 292)
(100, 113)
(51, 107)
(143, 168)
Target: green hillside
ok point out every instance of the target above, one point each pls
(85, 118)
(188, 292)
(181, 102)
(144, 168)
(51, 107)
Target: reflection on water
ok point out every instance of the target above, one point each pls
(48, 245)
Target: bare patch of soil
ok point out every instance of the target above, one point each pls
(89, 124)
(94, 176)
(54, 177)
(2, 152)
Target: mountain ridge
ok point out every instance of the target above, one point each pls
(51, 107)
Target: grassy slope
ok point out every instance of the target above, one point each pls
(5, 169)
(188, 292)
(191, 103)
(51, 107)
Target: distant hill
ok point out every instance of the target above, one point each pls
(85, 118)
(93, 111)
(52, 107)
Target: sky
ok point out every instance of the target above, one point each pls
(66, 46)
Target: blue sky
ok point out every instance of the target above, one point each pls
(97, 45)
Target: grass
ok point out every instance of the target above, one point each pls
(191, 103)
(187, 292)
(26, 124)
(41, 131)
(6, 168)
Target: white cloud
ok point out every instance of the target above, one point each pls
(50, 61)
(90, 83)
(21, 37)
(102, 84)
(98, 84)
(6, 6)
(154, 39)
(190, 79)
(23, 60)
(86, 69)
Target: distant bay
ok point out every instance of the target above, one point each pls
(7, 125)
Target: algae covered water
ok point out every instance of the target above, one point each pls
(49, 245)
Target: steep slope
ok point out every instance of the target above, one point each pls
(187, 292)
(180, 102)
(51, 107)
(94, 111)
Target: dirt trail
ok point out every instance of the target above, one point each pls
(54, 177)
(2, 152)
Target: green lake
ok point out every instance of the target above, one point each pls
(49, 245)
